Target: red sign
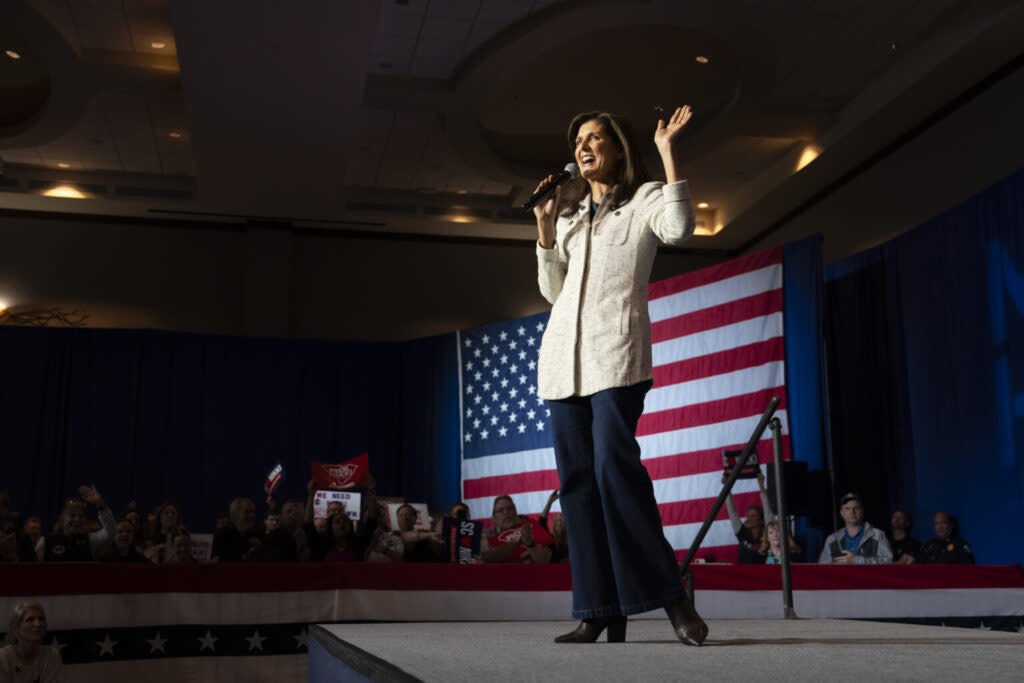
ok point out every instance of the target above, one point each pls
(343, 475)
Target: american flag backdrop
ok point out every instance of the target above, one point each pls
(719, 357)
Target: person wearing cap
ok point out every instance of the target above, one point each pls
(857, 542)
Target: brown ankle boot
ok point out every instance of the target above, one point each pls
(688, 625)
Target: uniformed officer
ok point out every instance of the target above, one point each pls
(947, 547)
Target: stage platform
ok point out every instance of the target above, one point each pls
(753, 650)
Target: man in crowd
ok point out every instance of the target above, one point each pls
(419, 545)
(857, 542)
(904, 546)
(512, 537)
(74, 542)
(234, 542)
(947, 547)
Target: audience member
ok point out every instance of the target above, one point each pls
(750, 530)
(771, 544)
(904, 546)
(30, 549)
(25, 658)
(512, 537)
(291, 522)
(271, 522)
(556, 527)
(457, 510)
(123, 549)
(166, 521)
(180, 550)
(73, 542)
(419, 545)
(342, 539)
(9, 532)
(947, 547)
(236, 541)
(857, 542)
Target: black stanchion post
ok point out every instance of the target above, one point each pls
(733, 476)
(780, 505)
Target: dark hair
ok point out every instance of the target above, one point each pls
(503, 497)
(631, 172)
(405, 505)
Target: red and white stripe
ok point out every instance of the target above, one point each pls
(719, 357)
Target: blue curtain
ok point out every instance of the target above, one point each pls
(197, 419)
(926, 347)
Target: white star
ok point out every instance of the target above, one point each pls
(469, 412)
(504, 382)
(540, 327)
(476, 399)
(540, 401)
(486, 339)
(985, 628)
(504, 407)
(522, 427)
(503, 431)
(487, 386)
(494, 396)
(512, 345)
(469, 365)
(540, 426)
(468, 343)
(256, 641)
(522, 379)
(483, 434)
(522, 403)
(106, 645)
(469, 437)
(477, 376)
(513, 369)
(521, 330)
(207, 641)
(504, 360)
(532, 389)
(60, 646)
(300, 640)
(494, 372)
(469, 388)
(494, 420)
(548, 411)
(522, 355)
(503, 336)
(476, 423)
(512, 392)
(512, 417)
(494, 349)
(529, 341)
(486, 410)
(532, 365)
(157, 644)
(476, 353)
(531, 414)
(487, 362)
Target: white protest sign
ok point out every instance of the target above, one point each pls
(352, 502)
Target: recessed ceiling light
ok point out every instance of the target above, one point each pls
(157, 45)
(809, 154)
(66, 191)
(13, 55)
(701, 59)
(702, 205)
(3, 305)
(64, 164)
(175, 134)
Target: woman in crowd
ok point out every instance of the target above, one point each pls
(342, 534)
(596, 245)
(25, 659)
(771, 544)
(180, 550)
(750, 531)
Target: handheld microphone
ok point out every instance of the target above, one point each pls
(570, 172)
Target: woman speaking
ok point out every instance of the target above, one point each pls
(597, 241)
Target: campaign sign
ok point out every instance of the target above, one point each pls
(422, 515)
(350, 500)
(515, 536)
(343, 475)
(202, 547)
(462, 537)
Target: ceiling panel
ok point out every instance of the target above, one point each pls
(101, 25)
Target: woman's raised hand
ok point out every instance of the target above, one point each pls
(666, 133)
(545, 213)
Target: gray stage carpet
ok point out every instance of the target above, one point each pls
(754, 650)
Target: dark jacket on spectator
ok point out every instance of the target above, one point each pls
(952, 550)
(231, 546)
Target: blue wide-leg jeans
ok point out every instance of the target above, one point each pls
(621, 562)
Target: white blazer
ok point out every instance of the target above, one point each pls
(595, 275)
